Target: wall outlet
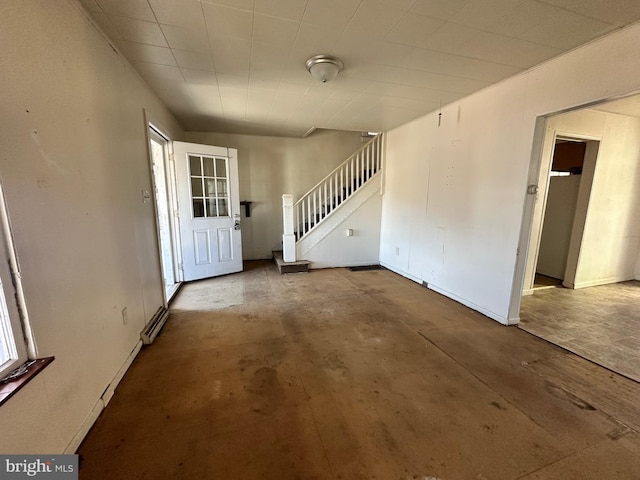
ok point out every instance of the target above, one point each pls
(398, 251)
(125, 316)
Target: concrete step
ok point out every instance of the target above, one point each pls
(301, 266)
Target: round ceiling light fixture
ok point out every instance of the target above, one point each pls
(324, 67)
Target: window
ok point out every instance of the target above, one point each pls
(14, 330)
(209, 186)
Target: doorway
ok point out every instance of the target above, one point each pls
(164, 189)
(565, 208)
(598, 259)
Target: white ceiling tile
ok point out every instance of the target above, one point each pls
(409, 103)
(268, 53)
(566, 30)
(295, 74)
(242, 70)
(138, 9)
(448, 64)
(416, 78)
(314, 39)
(177, 98)
(139, 31)
(240, 4)
(354, 50)
(193, 60)
(232, 93)
(319, 93)
(444, 9)
(183, 13)
(203, 77)
(231, 55)
(391, 89)
(227, 22)
(525, 16)
(450, 38)
(293, 88)
(205, 98)
(618, 12)
(234, 101)
(181, 38)
(336, 13)
(286, 100)
(259, 84)
(268, 61)
(290, 9)
(375, 18)
(162, 73)
(480, 14)
(414, 30)
(260, 99)
(278, 31)
(509, 51)
(233, 81)
(146, 53)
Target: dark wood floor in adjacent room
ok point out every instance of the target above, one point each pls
(356, 375)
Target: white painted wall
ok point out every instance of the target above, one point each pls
(558, 221)
(74, 161)
(328, 246)
(272, 166)
(611, 239)
(458, 227)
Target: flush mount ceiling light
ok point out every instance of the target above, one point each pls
(324, 67)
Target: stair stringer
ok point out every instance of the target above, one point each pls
(327, 245)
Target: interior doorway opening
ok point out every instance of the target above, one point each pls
(597, 260)
(565, 208)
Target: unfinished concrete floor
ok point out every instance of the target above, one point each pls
(600, 323)
(356, 375)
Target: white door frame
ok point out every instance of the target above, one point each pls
(533, 216)
(171, 203)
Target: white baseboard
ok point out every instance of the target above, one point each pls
(102, 402)
(110, 390)
(600, 281)
(637, 276)
(84, 428)
(527, 291)
(320, 265)
(388, 266)
(473, 306)
(452, 296)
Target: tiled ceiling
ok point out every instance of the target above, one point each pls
(238, 65)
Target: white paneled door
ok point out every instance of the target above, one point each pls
(209, 210)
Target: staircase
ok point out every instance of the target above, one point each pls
(327, 196)
(345, 180)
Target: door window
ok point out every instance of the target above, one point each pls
(209, 186)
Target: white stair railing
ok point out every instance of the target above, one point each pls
(345, 180)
